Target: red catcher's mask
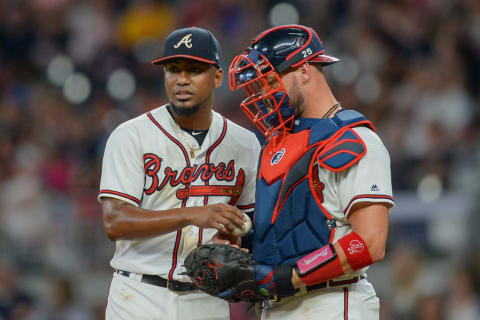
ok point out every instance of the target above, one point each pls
(270, 53)
(267, 107)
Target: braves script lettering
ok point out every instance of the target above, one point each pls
(206, 171)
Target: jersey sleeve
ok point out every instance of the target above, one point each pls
(246, 203)
(367, 181)
(123, 168)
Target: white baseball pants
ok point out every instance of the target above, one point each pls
(130, 299)
(357, 301)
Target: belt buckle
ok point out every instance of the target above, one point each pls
(173, 285)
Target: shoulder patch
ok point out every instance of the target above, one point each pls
(342, 151)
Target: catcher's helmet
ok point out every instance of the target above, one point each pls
(270, 53)
(290, 46)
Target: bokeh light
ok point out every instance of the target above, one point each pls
(367, 88)
(346, 71)
(430, 188)
(121, 84)
(59, 69)
(77, 88)
(283, 13)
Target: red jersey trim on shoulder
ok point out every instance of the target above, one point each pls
(220, 139)
(121, 194)
(368, 196)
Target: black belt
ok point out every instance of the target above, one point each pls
(321, 285)
(331, 283)
(173, 285)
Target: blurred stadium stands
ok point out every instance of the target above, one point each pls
(70, 71)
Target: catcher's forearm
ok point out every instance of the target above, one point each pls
(296, 280)
(364, 246)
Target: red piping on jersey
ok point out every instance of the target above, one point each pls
(245, 207)
(184, 201)
(187, 159)
(345, 303)
(207, 161)
(367, 196)
(209, 152)
(101, 192)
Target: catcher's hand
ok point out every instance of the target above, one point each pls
(224, 271)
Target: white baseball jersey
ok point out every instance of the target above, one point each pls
(368, 180)
(147, 163)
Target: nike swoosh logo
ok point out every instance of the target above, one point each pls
(196, 133)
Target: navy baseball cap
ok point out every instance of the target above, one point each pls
(191, 43)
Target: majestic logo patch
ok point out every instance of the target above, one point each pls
(374, 188)
(277, 157)
(355, 247)
(187, 41)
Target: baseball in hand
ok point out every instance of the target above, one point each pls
(247, 225)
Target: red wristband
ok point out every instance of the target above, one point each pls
(356, 251)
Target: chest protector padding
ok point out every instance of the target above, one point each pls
(289, 220)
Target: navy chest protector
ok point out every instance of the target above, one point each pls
(290, 220)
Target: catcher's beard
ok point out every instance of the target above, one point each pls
(296, 100)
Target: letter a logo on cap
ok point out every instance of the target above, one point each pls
(187, 41)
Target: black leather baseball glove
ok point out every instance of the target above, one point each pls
(224, 271)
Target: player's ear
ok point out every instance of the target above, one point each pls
(304, 72)
(218, 77)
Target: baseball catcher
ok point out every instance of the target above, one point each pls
(323, 190)
(233, 275)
